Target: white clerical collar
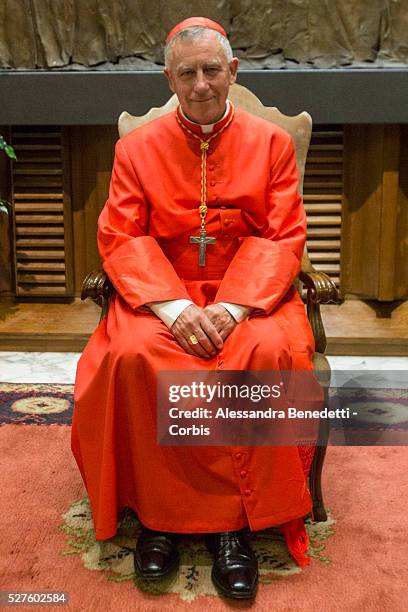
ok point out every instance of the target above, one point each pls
(208, 128)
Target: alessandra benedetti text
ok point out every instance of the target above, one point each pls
(268, 413)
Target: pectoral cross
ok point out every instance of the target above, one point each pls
(202, 241)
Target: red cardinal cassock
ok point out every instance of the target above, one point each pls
(257, 217)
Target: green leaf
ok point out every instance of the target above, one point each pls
(2, 142)
(9, 151)
(3, 207)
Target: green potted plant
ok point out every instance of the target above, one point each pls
(10, 152)
(8, 149)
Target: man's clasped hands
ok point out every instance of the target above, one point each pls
(210, 326)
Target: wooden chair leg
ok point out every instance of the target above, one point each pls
(315, 476)
(315, 483)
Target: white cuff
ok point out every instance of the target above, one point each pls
(169, 311)
(238, 311)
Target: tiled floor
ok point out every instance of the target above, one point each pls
(33, 367)
(60, 367)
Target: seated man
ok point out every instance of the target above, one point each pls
(202, 237)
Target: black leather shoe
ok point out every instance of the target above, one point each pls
(156, 554)
(235, 568)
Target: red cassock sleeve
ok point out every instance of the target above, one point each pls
(264, 267)
(134, 262)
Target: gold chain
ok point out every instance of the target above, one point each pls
(204, 146)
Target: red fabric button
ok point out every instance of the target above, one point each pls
(238, 456)
(212, 183)
(211, 168)
(243, 473)
(248, 492)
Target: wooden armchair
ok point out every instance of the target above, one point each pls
(319, 288)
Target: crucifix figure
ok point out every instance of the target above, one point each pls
(202, 240)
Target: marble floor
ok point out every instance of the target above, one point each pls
(31, 367)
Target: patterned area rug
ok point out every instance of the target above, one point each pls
(115, 557)
(382, 418)
(36, 404)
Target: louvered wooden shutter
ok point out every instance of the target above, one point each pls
(42, 215)
(323, 195)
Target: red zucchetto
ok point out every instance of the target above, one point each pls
(192, 22)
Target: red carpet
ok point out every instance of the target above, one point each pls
(366, 491)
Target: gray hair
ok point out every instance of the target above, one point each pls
(196, 32)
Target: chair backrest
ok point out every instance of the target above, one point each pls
(298, 126)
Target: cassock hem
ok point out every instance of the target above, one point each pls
(271, 521)
(256, 524)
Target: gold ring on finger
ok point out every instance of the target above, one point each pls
(193, 339)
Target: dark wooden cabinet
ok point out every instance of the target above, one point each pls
(374, 256)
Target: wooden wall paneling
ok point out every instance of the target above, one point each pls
(67, 204)
(323, 196)
(362, 209)
(401, 253)
(388, 236)
(92, 152)
(374, 238)
(78, 209)
(40, 207)
(6, 250)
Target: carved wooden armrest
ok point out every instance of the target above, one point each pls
(98, 287)
(320, 287)
(320, 290)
